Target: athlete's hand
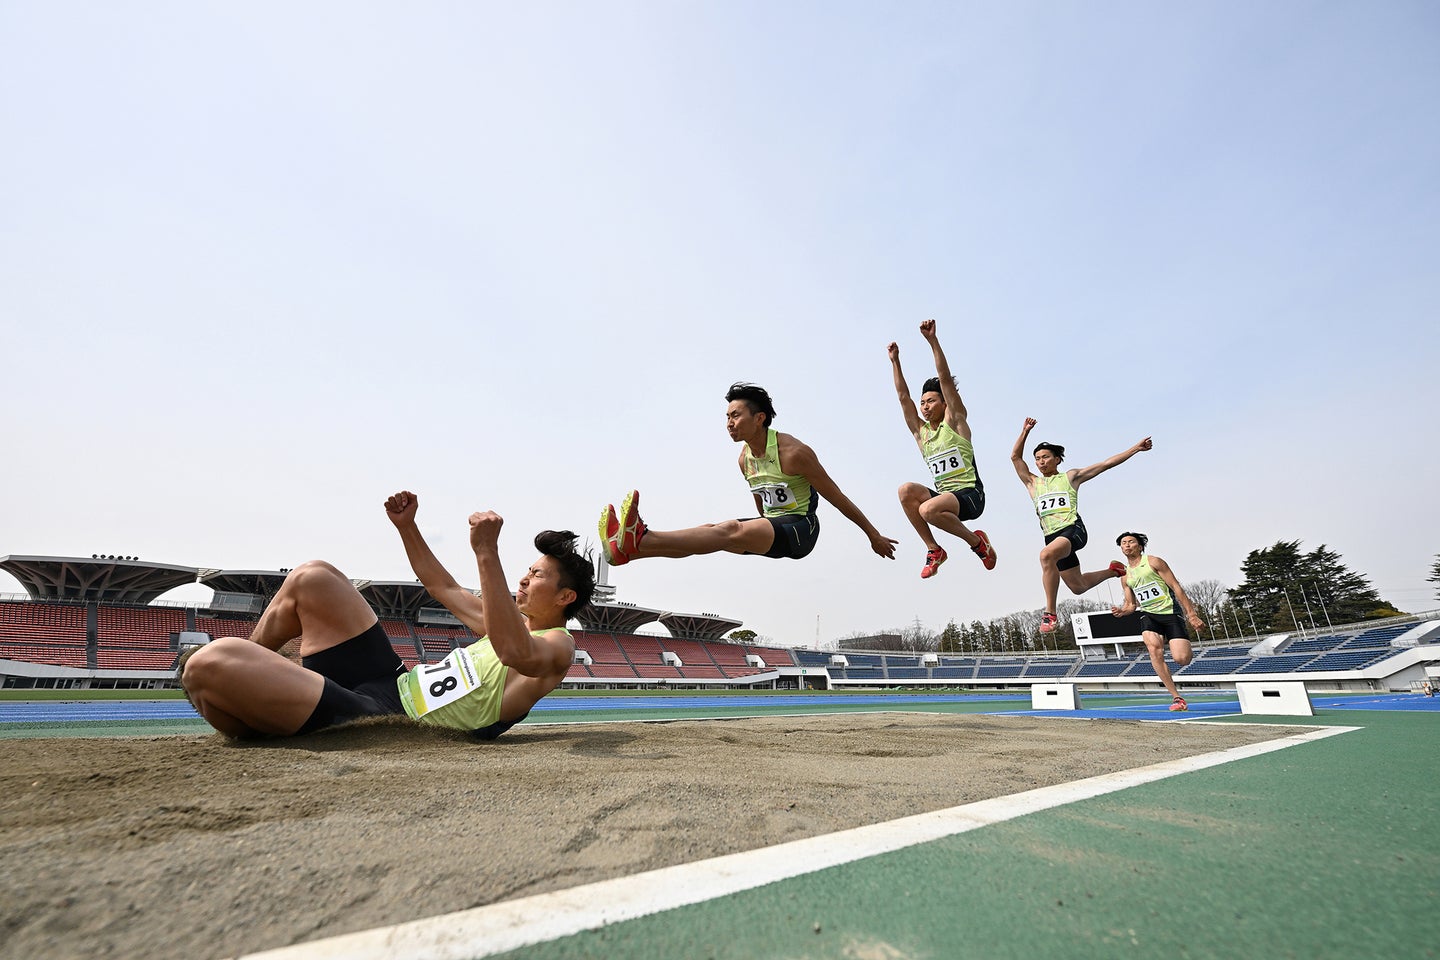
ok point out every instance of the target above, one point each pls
(883, 546)
(894, 351)
(485, 530)
(927, 329)
(1030, 424)
(1118, 611)
(1195, 621)
(1144, 445)
(400, 507)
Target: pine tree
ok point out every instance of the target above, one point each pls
(1279, 580)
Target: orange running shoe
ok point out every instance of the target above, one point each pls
(1049, 622)
(609, 530)
(632, 528)
(1178, 705)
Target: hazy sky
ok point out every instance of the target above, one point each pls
(262, 264)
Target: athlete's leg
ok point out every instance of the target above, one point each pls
(913, 497)
(1083, 582)
(1156, 645)
(241, 688)
(316, 603)
(1050, 557)
(731, 536)
(1180, 651)
(943, 512)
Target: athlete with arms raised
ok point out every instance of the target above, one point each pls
(1057, 503)
(349, 669)
(942, 431)
(786, 479)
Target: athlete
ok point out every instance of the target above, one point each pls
(1151, 586)
(942, 432)
(1057, 503)
(349, 669)
(786, 479)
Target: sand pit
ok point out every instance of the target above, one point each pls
(192, 847)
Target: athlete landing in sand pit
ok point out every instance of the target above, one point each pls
(1057, 503)
(786, 479)
(1150, 584)
(349, 669)
(942, 431)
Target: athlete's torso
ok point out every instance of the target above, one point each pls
(950, 457)
(1152, 594)
(1057, 503)
(463, 691)
(781, 494)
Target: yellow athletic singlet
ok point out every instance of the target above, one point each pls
(462, 691)
(1057, 503)
(1152, 594)
(781, 494)
(949, 456)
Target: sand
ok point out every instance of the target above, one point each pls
(193, 847)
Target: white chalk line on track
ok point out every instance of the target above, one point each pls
(486, 931)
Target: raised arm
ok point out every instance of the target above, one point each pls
(1017, 454)
(401, 509)
(902, 390)
(1082, 474)
(505, 625)
(1162, 569)
(797, 458)
(956, 416)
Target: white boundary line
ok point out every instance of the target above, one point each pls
(485, 931)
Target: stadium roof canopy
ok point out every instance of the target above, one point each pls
(396, 599)
(106, 581)
(258, 583)
(697, 626)
(615, 617)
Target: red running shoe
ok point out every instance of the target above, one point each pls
(1048, 622)
(609, 530)
(933, 559)
(1117, 568)
(984, 551)
(632, 528)
(1178, 705)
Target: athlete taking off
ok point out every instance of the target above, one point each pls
(1056, 496)
(1151, 587)
(786, 479)
(942, 432)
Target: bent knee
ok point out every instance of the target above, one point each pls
(205, 666)
(1183, 659)
(911, 492)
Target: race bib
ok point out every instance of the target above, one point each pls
(1053, 503)
(1148, 592)
(444, 682)
(774, 496)
(946, 461)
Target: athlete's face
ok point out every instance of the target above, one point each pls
(1048, 463)
(1130, 547)
(539, 593)
(741, 422)
(932, 407)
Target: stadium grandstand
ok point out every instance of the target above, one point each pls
(101, 622)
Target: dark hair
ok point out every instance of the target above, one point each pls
(756, 398)
(576, 571)
(1138, 536)
(931, 386)
(1054, 448)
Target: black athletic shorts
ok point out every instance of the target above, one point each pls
(795, 535)
(1171, 626)
(1077, 536)
(360, 680)
(971, 500)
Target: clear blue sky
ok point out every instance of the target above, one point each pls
(262, 264)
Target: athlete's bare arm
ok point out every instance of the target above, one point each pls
(1129, 605)
(956, 416)
(797, 458)
(902, 390)
(509, 633)
(1163, 571)
(759, 504)
(438, 582)
(1081, 474)
(1017, 454)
